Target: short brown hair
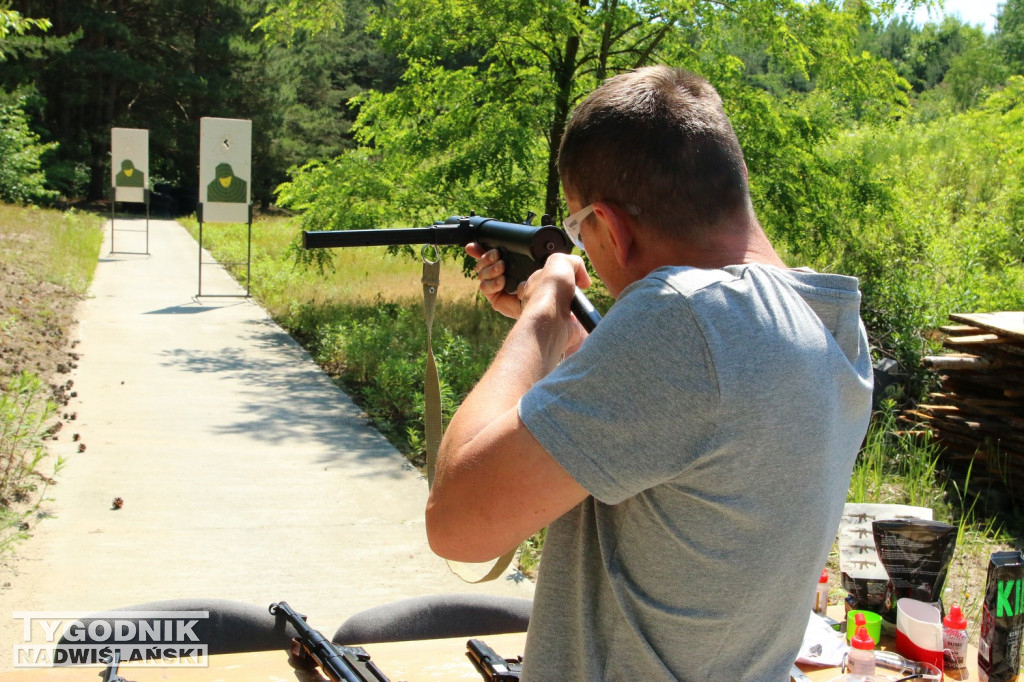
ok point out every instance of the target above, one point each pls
(659, 139)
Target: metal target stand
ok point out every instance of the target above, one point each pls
(113, 213)
(247, 262)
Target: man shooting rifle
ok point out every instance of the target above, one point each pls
(691, 455)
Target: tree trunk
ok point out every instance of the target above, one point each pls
(563, 95)
(609, 7)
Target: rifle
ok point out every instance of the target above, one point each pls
(523, 247)
(338, 663)
(493, 667)
(111, 674)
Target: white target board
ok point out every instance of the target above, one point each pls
(225, 169)
(129, 163)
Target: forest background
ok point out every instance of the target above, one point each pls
(876, 147)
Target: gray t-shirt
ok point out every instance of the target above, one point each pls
(714, 417)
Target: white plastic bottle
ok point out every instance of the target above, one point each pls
(821, 594)
(861, 659)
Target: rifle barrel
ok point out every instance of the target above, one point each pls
(436, 234)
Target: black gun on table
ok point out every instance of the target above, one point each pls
(523, 247)
(493, 667)
(110, 674)
(338, 663)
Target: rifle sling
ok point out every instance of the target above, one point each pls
(432, 423)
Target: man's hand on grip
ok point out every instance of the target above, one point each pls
(555, 284)
(490, 270)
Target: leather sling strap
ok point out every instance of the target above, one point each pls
(433, 428)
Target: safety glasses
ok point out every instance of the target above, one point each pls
(573, 223)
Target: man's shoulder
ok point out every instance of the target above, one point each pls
(751, 278)
(669, 290)
(690, 286)
(685, 279)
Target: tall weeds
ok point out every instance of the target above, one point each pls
(24, 413)
(894, 466)
(377, 352)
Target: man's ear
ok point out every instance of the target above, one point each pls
(619, 226)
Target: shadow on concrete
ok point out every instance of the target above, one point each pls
(190, 308)
(287, 398)
(123, 256)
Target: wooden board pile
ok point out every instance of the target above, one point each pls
(978, 413)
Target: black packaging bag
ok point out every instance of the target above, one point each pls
(1002, 618)
(916, 554)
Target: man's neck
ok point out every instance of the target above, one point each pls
(749, 245)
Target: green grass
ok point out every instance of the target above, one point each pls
(48, 258)
(896, 467)
(25, 413)
(56, 247)
(355, 276)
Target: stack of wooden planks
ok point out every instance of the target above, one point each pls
(978, 413)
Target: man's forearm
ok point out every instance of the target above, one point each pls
(495, 484)
(530, 351)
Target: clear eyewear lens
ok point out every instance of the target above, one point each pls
(574, 223)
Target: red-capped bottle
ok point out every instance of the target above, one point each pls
(859, 621)
(954, 642)
(861, 659)
(821, 594)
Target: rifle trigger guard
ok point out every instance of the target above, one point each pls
(437, 254)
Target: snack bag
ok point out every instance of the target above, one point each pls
(916, 554)
(1002, 619)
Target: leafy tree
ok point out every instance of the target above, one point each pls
(289, 21)
(898, 42)
(974, 72)
(12, 22)
(932, 51)
(311, 75)
(1010, 33)
(478, 116)
(21, 178)
(954, 63)
(21, 153)
(890, 40)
